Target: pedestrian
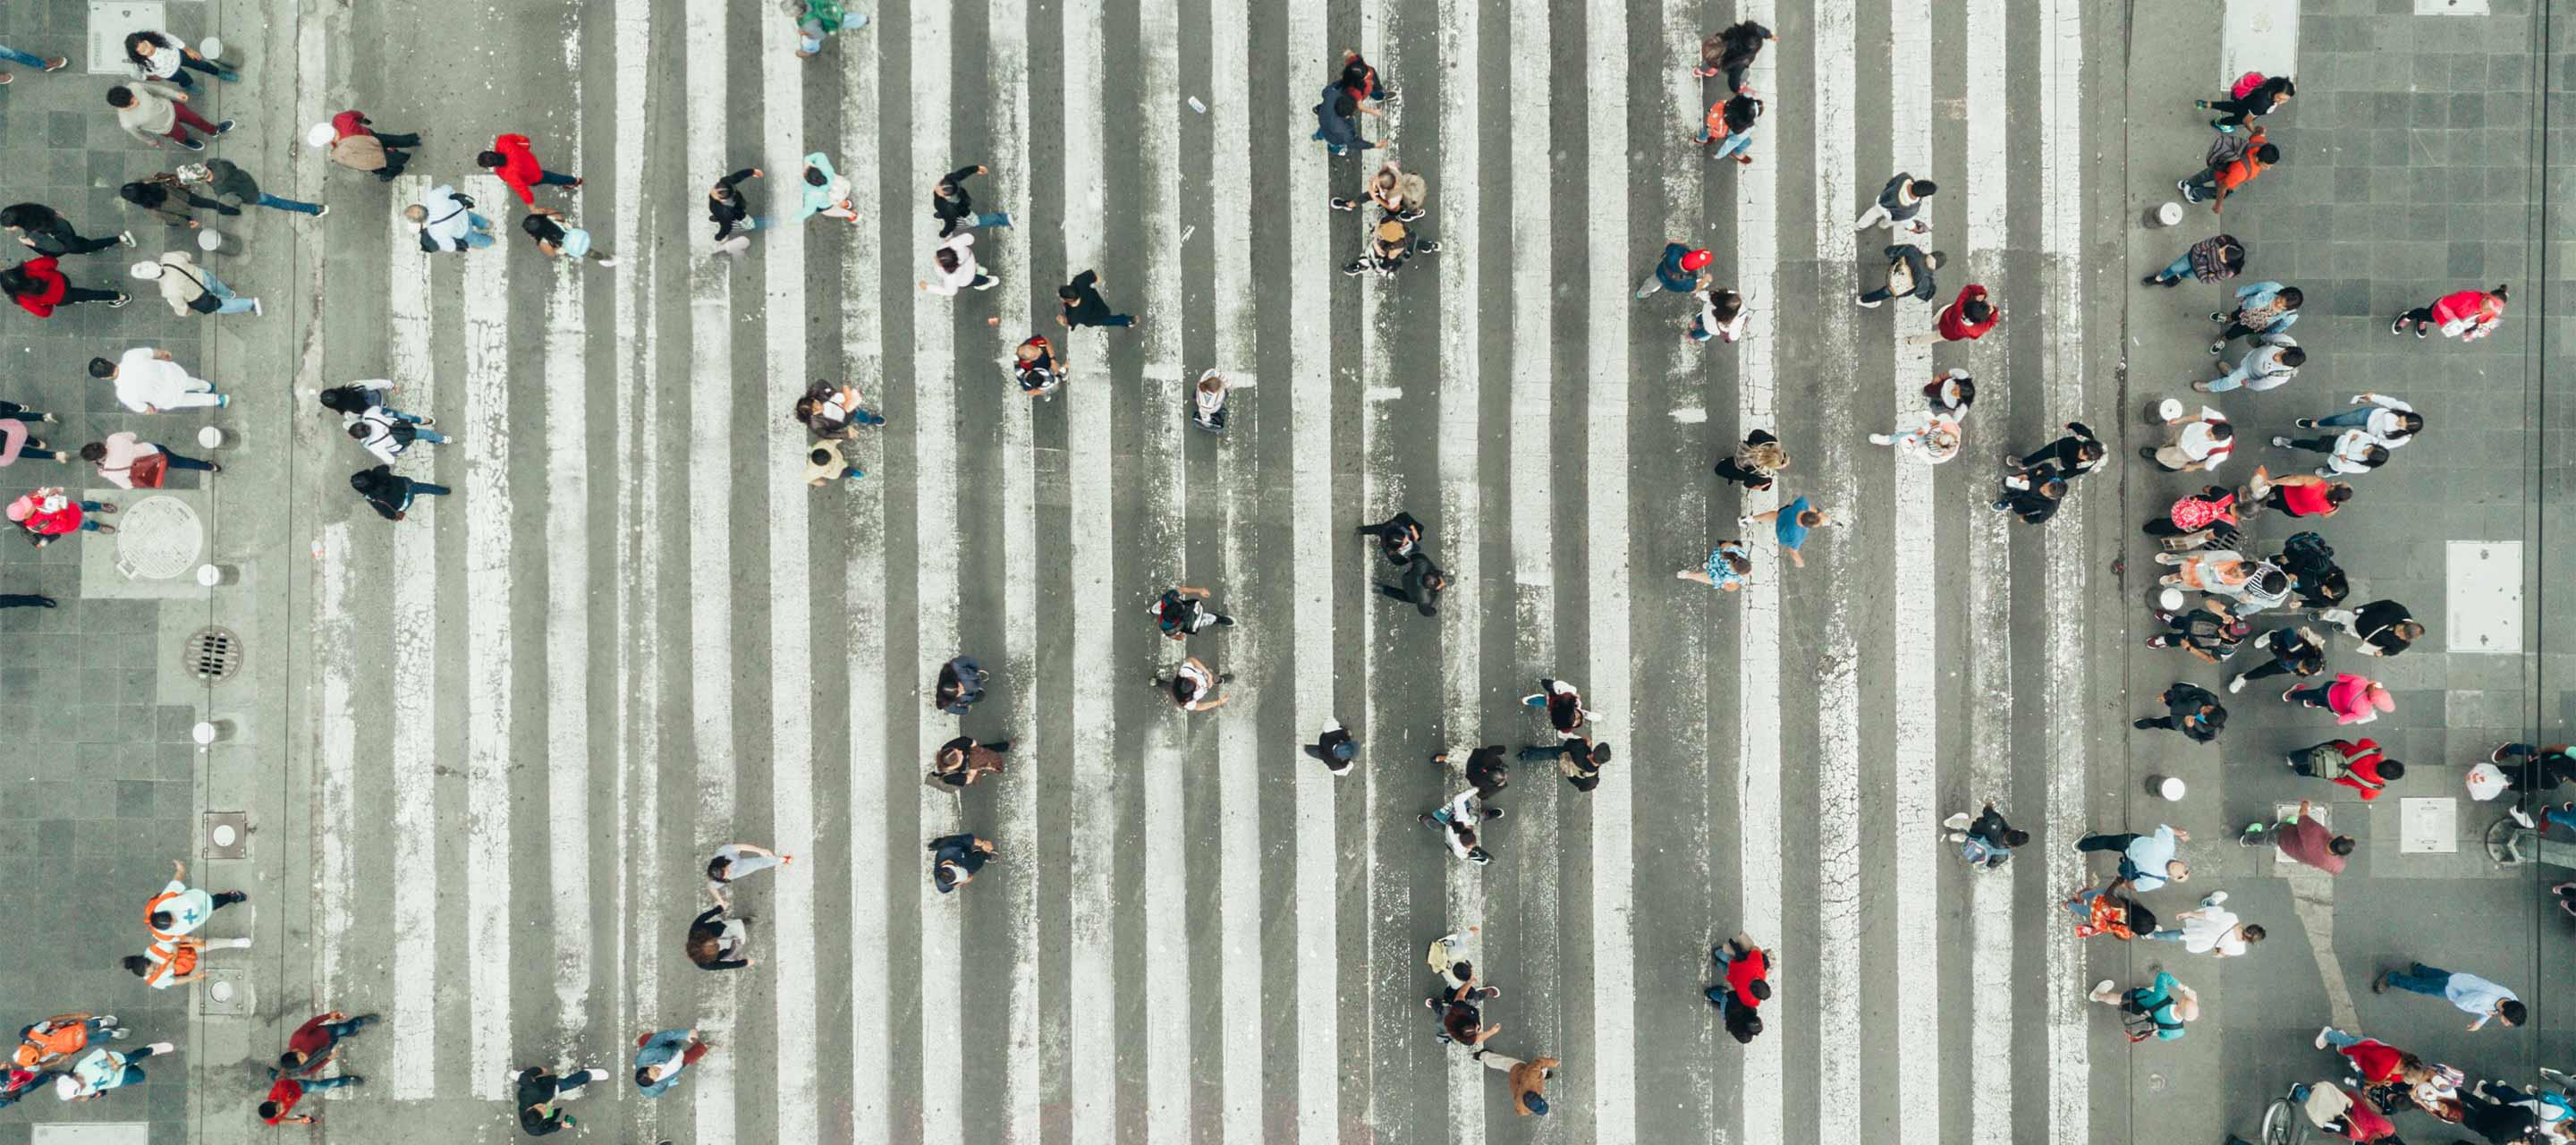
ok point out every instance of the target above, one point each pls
(151, 111)
(192, 289)
(389, 493)
(2213, 259)
(1563, 703)
(1422, 586)
(1400, 195)
(174, 961)
(45, 231)
(2301, 838)
(716, 942)
(955, 261)
(12, 411)
(1730, 125)
(659, 1058)
(2298, 494)
(2196, 443)
(545, 224)
(162, 56)
(1180, 615)
(2190, 709)
(1488, 770)
(2352, 451)
(2165, 1003)
(1790, 525)
(1390, 245)
(963, 760)
(1039, 370)
(59, 1038)
(1731, 53)
(2374, 1062)
(318, 1038)
(2146, 861)
(286, 1089)
(2468, 992)
(2384, 627)
(2271, 364)
(960, 686)
(2106, 911)
(2359, 765)
(1334, 748)
(2297, 651)
(955, 860)
(955, 209)
(1933, 440)
(31, 59)
(2033, 495)
(389, 433)
(826, 192)
(2545, 766)
(2209, 632)
(822, 18)
(2493, 1110)
(2261, 307)
(2203, 520)
(15, 443)
(128, 462)
(2073, 455)
(1577, 758)
(1909, 275)
(447, 222)
(824, 465)
(830, 411)
(1681, 270)
(1399, 537)
(2252, 585)
(2253, 96)
(1967, 318)
(1728, 569)
(351, 142)
(1337, 114)
(1986, 841)
(2232, 163)
(39, 289)
(48, 514)
(737, 860)
(1447, 957)
(1527, 1079)
(1950, 393)
(727, 210)
(1207, 401)
(180, 909)
(2467, 315)
(104, 1069)
(1457, 821)
(1722, 315)
(1899, 206)
(1757, 462)
(165, 197)
(2353, 699)
(1361, 80)
(228, 181)
(1743, 984)
(1193, 685)
(2391, 422)
(538, 1088)
(517, 166)
(1083, 306)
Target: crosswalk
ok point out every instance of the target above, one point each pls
(634, 634)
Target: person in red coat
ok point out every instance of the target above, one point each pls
(2357, 765)
(2466, 314)
(1966, 318)
(48, 513)
(38, 288)
(517, 166)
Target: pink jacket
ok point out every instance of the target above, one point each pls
(2357, 700)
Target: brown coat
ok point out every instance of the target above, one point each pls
(1529, 1077)
(359, 153)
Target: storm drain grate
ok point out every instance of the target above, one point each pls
(213, 654)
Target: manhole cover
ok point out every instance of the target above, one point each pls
(212, 654)
(158, 538)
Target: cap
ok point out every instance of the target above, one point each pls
(147, 269)
(66, 1087)
(319, 135)
(21, 509)
(1694, 260)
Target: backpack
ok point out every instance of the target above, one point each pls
(2306, 551)
(2325, 761)
(2224, 148)
(2245, 84)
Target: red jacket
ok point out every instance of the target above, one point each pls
(346, 124)
(1742, 973)
(50, 286)
(2376, 1061)
(2362, 761)
(519, 167)
(57, 522)
(1954, 325)
(285, 1093)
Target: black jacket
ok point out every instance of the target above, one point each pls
(725, 214)
(2060, 454)
(2183, 702)
(2375, 619)
(2032, 506)
(1916, 264)
(1489, 770)
(711, 926)
(954, 207)
(1086, 307)
(537, 1087)
(230, 181)
(387, 492)
(1418, 591)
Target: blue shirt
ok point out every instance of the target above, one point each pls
(1670, 272)
(1786, 527)
(2147, 857)
(662, 1047)
(2475, 995)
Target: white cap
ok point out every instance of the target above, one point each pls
(320, 135)
(147, 270)
(66, 1087)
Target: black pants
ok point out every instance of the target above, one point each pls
(15, 412)
(2165, 722)
(2105, 842)
(1735, 76)
(24, 600)
(2236, 329)
(72, 243)
(74, 295)
(2314, 444)
(2421, 316)
(2275, 668)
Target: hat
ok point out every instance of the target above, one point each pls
(1693, 260)
(22, 508)
(66, 1087)
(319, 135)
(146, 270)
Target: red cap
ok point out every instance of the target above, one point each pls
(1695, 260)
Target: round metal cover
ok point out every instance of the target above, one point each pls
(158, 538)
(213, 654)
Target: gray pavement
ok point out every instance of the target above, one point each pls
(487, 749)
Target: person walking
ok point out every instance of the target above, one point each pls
(1899, 207)
(2302, 839)
(509, 158)
(2391, 422)
(1206, 407)
(1728, 569)
(1577, 758)
(1730, 125)
(2274, 360)
(1192, 685)
(659, 1058)
(546, 225)
(1390, 245)
(2213, 259)
(1731, 53)
(448, 223)
(2252, 585)
(1967, 318)
(1038, 368)
(955, 262)
(103, 1069)
(1083, 306)
(2146, 861)
(1757, 463)
(2353, 699)
(2261, 307)
(1399, 194)
(318, 1038)
(48, 514)
(389, 493)
(2190, 709)
(159, 55)
(45, 231)
(2352, 451)
(2232, 163)
(1362, 80)
(61, 1038)
(39, 289)
(963, 760)
(1526, 1079)
(2467, 315)
(149, 380)
(1722, 314)
(228, 181)
(826, 192)
(2469, 993)
(2104, 910)
(2295, 651)
(959, 686)
(2356, 764)
(180, 909)
(151, 111)
(716, 942)
(2034, 495)
(1180, 615)
(1488, 770)
(955, 209)
(2383, 627)
(351, 142)
(389, 433)
(1933, 440)
(2211, 929)
(539, 1088)
(1563, 703)
(286, 1089)
(956, 859)
(1399, 537)
(735, 861)
(1986, 841)
(1909, 275)
(1790, 525)
(2209, 632)
(1950, 393)
(1422, 585)
(128, 462)
(819, 19)
(1681, 270)
(2254, 96)
(2299, 495)
(174, 961)
(1457, 821)
(192, 289)
(830, 411)
(2196, 443)
(2165, 1003)
(32, 60)
(1337, 114)
(1335, 749)
(165, 197)
(727, 209)
(2073, 455)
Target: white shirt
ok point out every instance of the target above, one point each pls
(1210, 401)
(2212, 928)
(2349, 451)
(448, 219)
(2199, 444)
(951, 281)
(123, 450)
(2386, 418)
(380, 438)
(143, 379)
(163, 63)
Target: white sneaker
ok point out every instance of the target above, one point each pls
(2235, 685)
(326, 209)
(608, 264)
(256, 310)
(127, 238)
(2321, 1036)
(159, 1048)
(1881, 439)
(242, 943)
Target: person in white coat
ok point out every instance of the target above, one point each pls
(387, 433)
(1933, 440)
(954, 262)
(447, 222)
(1207, 401)
(148, 380)
(128, 462)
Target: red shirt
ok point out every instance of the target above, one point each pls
(2464, 304)
(50, 286)
(2376, 1060)
(309, 1040)
(519, 166)
(2305, 500)
(346, 124)
(2361, 761)
(1742, 973)
(285, 1093)
(1953, 323)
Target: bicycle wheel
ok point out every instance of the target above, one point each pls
(2284, 1123)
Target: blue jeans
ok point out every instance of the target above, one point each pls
(419, 487)
(178, 462)
(2421, 979)
(2559, 816)
(2349, 419)
(547, 178)
(15, 56)
(2180, 268)
(232, 303)
(329, 1082)
(987, 219)
(89, 522)
(1734, 144)
(478, 231)
(2337, 1039)
(269, 200)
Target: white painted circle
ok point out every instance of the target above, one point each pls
(211, 48)
(204, 733)
(210, 437)
(210, 240)
(209, 576)
(2169, 409)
